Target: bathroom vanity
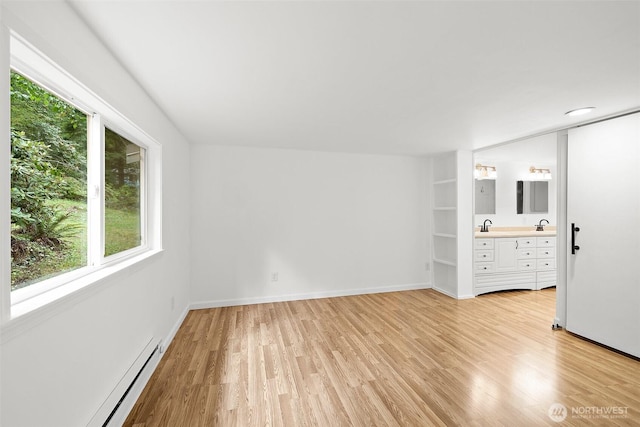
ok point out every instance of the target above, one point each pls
(514, 258)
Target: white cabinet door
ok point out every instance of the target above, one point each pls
(603, 201)
(505, 258)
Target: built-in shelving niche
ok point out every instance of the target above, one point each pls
(452, 223)
(444, 223)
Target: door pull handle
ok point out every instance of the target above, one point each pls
(574, 231)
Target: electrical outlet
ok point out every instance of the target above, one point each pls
(427, 266)
(274, 276)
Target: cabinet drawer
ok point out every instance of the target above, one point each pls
(484, 243)
(546, 264)
(526, 253)
(526, 242)
(527, 264)
(484, 256)
(545, 242)
(485, 267)
(546, 252)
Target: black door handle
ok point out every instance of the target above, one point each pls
(574, 230)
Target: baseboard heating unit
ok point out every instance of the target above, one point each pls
(116, 407)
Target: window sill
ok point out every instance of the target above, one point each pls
(33, 311)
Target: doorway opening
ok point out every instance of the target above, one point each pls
(515, 212)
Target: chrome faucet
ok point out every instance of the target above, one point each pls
(484, 227)
(539, 226)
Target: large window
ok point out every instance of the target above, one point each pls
(79, 180)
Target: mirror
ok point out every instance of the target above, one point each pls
(485, 192)
(532, 197)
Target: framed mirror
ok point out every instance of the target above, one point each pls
(532, 197)
(485, 196)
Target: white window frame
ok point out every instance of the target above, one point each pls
(28, 61)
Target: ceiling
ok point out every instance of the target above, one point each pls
(386, 77)
(540, 151)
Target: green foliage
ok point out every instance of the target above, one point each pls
(125, 198)
(34, 180)
(122, 230)
(33, 260)
(122, 174)
(44, 116)
(60, 129)
(38, 227)
(27, 257)
(48, 161)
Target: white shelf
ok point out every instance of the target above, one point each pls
(448, 236)
(445, 181)
(445, 262)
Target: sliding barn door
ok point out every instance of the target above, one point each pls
(603, 207)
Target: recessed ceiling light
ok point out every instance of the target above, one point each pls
(579, 111)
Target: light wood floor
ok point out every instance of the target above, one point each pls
(415, 358)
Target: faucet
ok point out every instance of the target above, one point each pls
(484, 227)
(539, 226)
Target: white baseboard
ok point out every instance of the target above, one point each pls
(134, 393)
(172, 333)
(309, 295)
(114, 401)
(452, 295)
(445, 292)
(121, 414)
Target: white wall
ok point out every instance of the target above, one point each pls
(513, 162)
(327, 223)
(64, 361)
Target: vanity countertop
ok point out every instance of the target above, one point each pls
(515, 232)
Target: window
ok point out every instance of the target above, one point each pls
(123, 161)
(79, 180)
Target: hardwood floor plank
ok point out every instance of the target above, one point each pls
(405, 358)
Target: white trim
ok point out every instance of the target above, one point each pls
(127, 379)
(454, 296)
(309, 295)
(445, 292)
(95, 189)
(172, 333)
(5, 184)
(128, 403)
(121, 414)
(562, 244)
